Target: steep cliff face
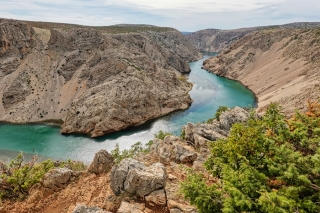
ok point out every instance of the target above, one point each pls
(279, 65)
(94, 81)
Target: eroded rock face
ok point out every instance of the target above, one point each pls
(95, 82)
(133, 177)
(16, 38)
(102, 162)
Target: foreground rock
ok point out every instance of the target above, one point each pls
(133, 177)
(102, 162)
(126, 207)
(57, 179)
(200, 134)
(173, 148)
(91, 81)
(86, 209)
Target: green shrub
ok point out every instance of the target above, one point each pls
(266, 165)
(17, 178)
(161, 135)
(135, 149)
(74, 165)
(210, 120)
(219, 111)
(183, 134)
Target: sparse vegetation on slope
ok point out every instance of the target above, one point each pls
(270, 164)
(17, 177)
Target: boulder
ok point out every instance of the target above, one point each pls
(175, 207)
(199, 140)
(231, 116)
(189, 131)
(102, 162)
(157, 197)
(86, 209)
(133, 177)
(199, 134)
(131, 208)
(183, 154)
(173, 148)
(56, 179)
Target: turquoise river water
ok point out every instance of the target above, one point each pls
(209, 92)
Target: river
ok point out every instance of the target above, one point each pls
(209, 92)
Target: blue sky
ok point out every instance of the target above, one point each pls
(184, 15)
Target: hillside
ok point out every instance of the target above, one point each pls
(93, 80)
(277, 64)
(137, 180)
(215, 40)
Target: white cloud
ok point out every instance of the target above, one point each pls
(186, 15)
(202, 5)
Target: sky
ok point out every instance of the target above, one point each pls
(184, 15)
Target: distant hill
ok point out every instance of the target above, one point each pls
(215, 40)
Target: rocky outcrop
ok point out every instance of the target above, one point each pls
(133, 177)
(278, 65)
(102, 162)
(200, 134)
(173, 148)
(57, 179)
(94, 81)
(86, 209)
(16, 39)
(232, 116)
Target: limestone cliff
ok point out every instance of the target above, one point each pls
(279, 65)
(92, 80)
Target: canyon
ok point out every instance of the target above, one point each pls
(91, 80)
(97, 80)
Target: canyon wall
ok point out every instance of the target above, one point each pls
(277, 64)
(93, 80)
